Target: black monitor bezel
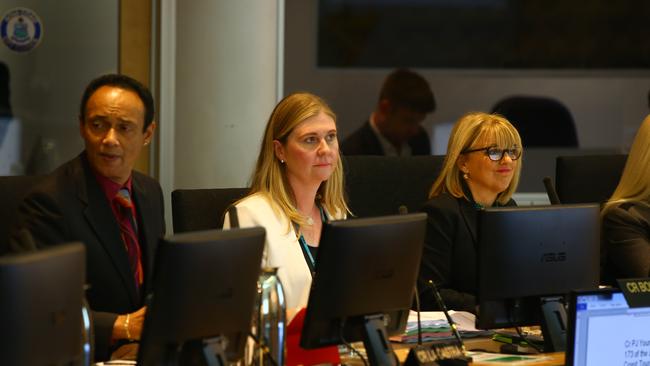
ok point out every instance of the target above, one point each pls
(571, 324)
(337, 260)
(521, 308)
(236, 255)
(43, 305)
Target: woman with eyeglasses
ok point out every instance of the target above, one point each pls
(481, 169)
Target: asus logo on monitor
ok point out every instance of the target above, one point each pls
(553, 257)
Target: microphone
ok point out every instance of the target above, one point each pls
(451, 322)
(419, 355)
(551, 192)
(417, 307)
(438, 354)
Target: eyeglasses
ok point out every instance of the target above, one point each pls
(496, 154)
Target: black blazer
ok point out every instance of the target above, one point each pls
(69, 205)
(449, 257)
(364, 142)
(626, 242)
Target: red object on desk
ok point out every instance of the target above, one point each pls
(297, 355)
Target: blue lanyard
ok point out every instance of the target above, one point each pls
(305, 249)
(311, 262)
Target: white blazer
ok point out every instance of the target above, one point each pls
(282, 249)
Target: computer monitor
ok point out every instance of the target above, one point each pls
(365, 277)
(204, 290)
(604, 330)
(527, 255)
(40, 310)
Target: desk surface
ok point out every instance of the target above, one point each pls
(488, 345)
(547, 359)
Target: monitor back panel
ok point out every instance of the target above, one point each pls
(545, 250)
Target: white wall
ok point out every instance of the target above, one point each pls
(608, 107)
(225, 89)
(219, 81)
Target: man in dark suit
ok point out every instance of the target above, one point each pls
(395, 127)
(97, 198)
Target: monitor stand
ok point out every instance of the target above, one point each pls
(554, 324)
(376, 342)
(553, 321)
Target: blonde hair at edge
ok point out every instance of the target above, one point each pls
(472, 131)
(634, 185)
(270, 177)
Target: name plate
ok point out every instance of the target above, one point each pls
(636, 291)
(437, 354)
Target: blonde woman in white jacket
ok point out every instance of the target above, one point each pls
(297, 185)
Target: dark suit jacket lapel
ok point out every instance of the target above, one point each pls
(147, 233)
(469, 215)
(101, 219)
(371, 141)
(420, 144)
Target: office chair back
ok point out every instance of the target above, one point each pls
(381, 185)
(541, 121)
(12, 191)
(588, 178)
(375, 186)
(202, 209)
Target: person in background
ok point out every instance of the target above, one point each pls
(98, 199)
(626, 216)
(296, 186)
(481, 169)
(395, 127)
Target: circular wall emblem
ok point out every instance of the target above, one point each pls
(21, 29)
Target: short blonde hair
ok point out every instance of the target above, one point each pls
(635, 181)
(471, 129)
(270, 176)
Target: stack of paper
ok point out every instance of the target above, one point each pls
(436, 327)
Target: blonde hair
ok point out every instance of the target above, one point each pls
(469, 130)
(635, 181)
(270, 176)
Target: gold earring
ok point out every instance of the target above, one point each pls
(465, 175)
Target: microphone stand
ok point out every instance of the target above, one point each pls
(417, 305)
(550, 191)
(420, 355)
(451, 322)
(442, 354)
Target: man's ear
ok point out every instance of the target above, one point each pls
(385, 106)
(278, 148)
(148, 132)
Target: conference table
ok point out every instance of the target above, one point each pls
(489, 355)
